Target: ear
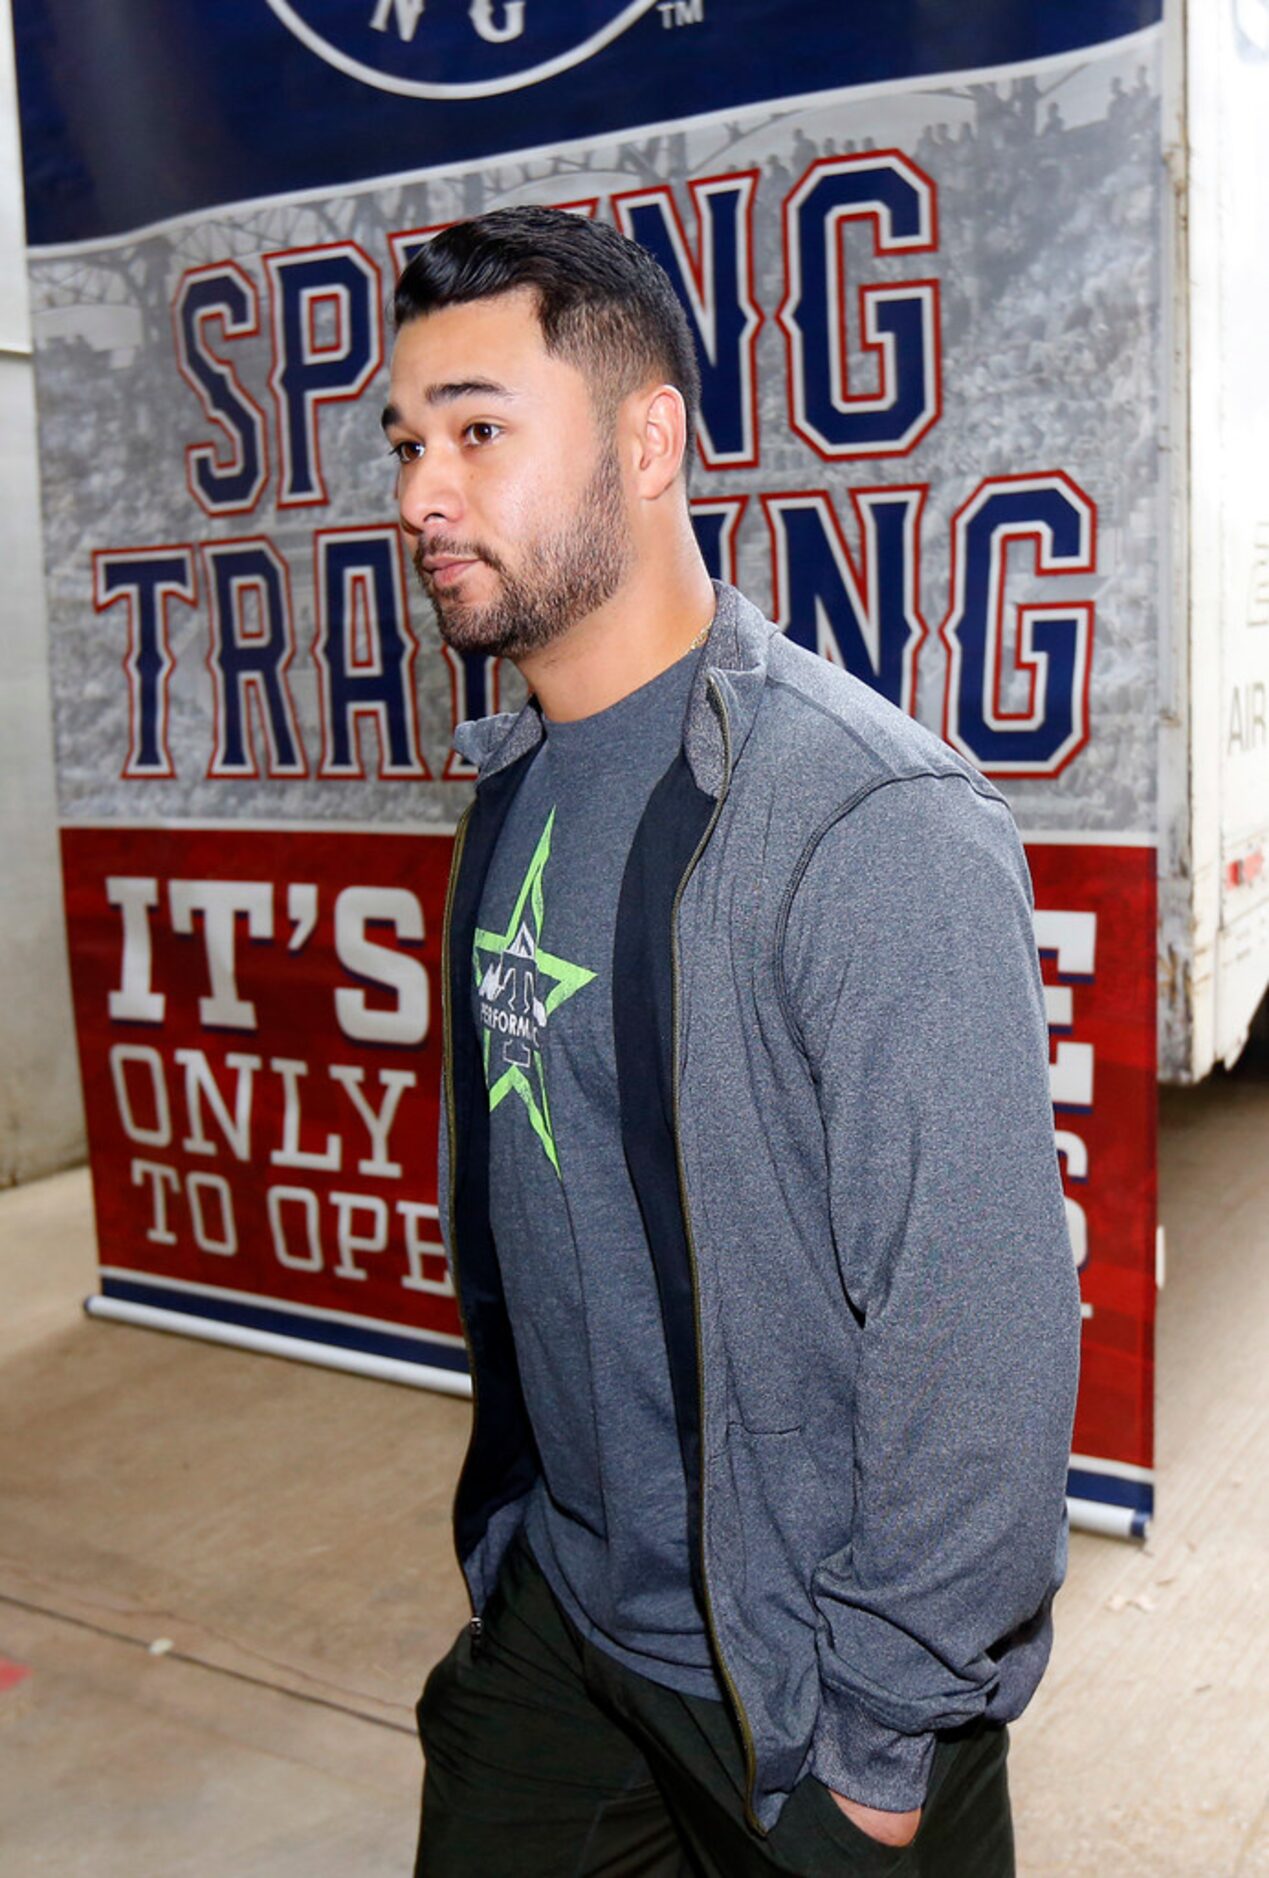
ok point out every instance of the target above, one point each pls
(661, 435)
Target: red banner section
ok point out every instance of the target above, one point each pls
(259, 1019)
(259, 1029)
(1095, 926)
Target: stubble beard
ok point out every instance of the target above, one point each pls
(565, 577)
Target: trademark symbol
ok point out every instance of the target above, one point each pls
(681, 13)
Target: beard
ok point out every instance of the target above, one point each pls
(564, 577)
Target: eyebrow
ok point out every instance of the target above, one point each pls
(448, 393)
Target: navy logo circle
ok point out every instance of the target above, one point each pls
(456, 48)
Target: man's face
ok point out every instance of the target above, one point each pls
(510, 497)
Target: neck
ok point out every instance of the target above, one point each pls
(647, 626)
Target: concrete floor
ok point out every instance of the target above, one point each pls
(283, 1533)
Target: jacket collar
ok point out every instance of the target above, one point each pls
(735, 659)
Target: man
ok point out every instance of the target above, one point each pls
(748, 1173)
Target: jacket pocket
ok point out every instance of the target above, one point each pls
(773, 1511)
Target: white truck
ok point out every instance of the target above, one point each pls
(1214, 635)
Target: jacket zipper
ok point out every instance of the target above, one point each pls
(751, 1759)
(476, 1624)
(451, 1120)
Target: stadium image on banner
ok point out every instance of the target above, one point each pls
(925, 284)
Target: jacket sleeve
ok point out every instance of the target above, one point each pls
(911, 977)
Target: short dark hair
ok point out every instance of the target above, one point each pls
(604, 303)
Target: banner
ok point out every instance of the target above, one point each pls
(922, 258)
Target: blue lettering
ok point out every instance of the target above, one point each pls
(899, 323)
(226, 296)
(716, 288)
(365, 652)
(252, 644)
(867, 619)
(327, 346)
(1051, 644)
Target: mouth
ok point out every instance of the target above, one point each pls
(444, 569)
(438, 566)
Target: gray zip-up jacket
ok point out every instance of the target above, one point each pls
(833, 1064)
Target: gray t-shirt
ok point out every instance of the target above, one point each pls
(608, 1521)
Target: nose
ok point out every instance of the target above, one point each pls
(428, 492)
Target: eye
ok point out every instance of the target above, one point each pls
(482, 431)
(407, 451)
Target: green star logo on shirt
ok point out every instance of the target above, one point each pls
(513, 972)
